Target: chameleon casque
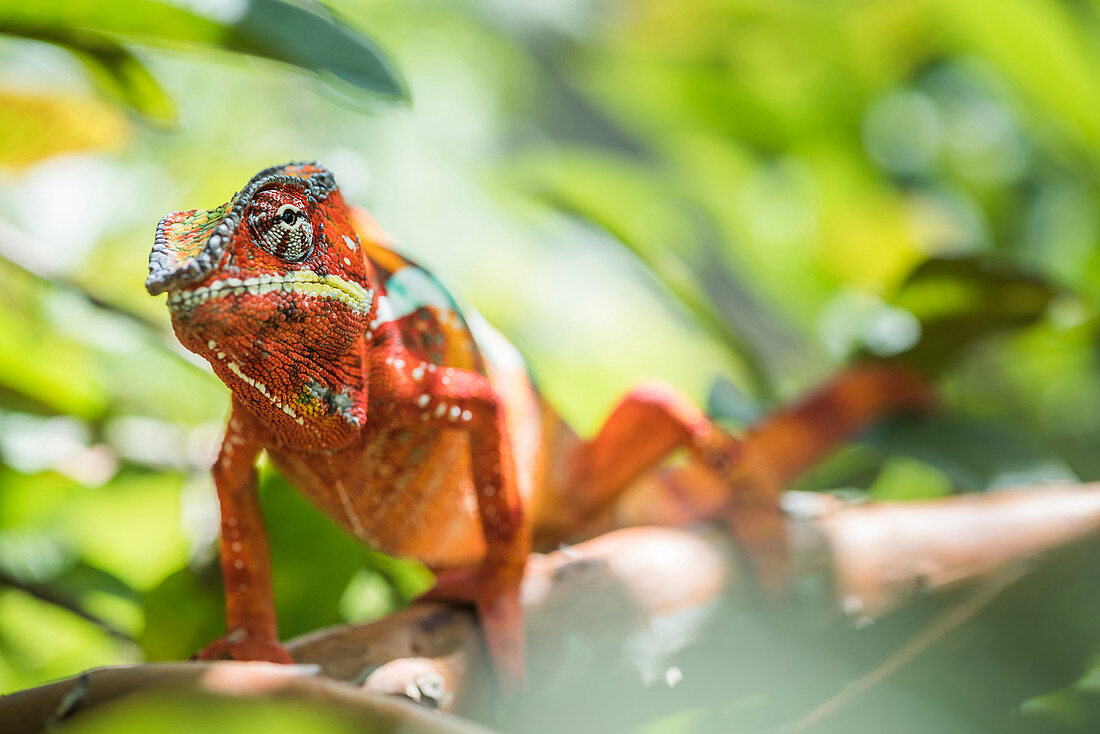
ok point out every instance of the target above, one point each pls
(414, 427)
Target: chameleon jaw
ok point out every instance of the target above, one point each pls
(302, 282)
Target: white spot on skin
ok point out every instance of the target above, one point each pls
(440, 410)
(423, 400)
(383, 310)
(347, 262)
(455, 412)
(235, 547)
(489, 490)
(212, 344)
(231, 521)
(467, 415)
(418, 373)
(238, 564)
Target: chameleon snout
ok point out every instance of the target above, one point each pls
(188, 246)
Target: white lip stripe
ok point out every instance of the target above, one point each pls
(308, 282)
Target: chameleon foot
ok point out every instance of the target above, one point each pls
(238, 645)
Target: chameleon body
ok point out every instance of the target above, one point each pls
(412, 426)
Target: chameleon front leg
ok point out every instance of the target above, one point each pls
(246, 567)
(459, 399)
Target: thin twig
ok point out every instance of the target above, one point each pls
(943, 624)
(44, 593)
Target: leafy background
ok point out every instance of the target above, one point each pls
(748, 191)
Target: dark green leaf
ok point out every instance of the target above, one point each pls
(321, 43)
(959, 301)
(976, 454)
(308, 38)
(184, 613)
(727, 402)
(123, 78)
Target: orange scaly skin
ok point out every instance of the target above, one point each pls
(413, 427)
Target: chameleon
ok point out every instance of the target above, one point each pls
(409, 421)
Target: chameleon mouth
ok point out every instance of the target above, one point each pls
(302, 282)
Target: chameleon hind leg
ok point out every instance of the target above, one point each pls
(648, 423)
(746, 477)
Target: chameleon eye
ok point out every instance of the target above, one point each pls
(283, 230)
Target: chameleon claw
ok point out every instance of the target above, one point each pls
(238, 645)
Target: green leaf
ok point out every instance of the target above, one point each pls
(976, 454)
(320, 42)
(961, 300)
(184, 613)
(121, 76)
(40, 642)
(727, 402)
(149, 507)
(903, 478)
(311, 39)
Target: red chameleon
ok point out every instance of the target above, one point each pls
(413, 426)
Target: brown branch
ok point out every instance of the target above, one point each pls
(613, 585)
(605, 591)
(30, 711)
(884, 553)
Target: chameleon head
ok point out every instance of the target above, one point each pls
(273, 290)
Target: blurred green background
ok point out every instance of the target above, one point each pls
(754, 191)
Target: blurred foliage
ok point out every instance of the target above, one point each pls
(683, 189)
(184, 714)
(95, 34)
